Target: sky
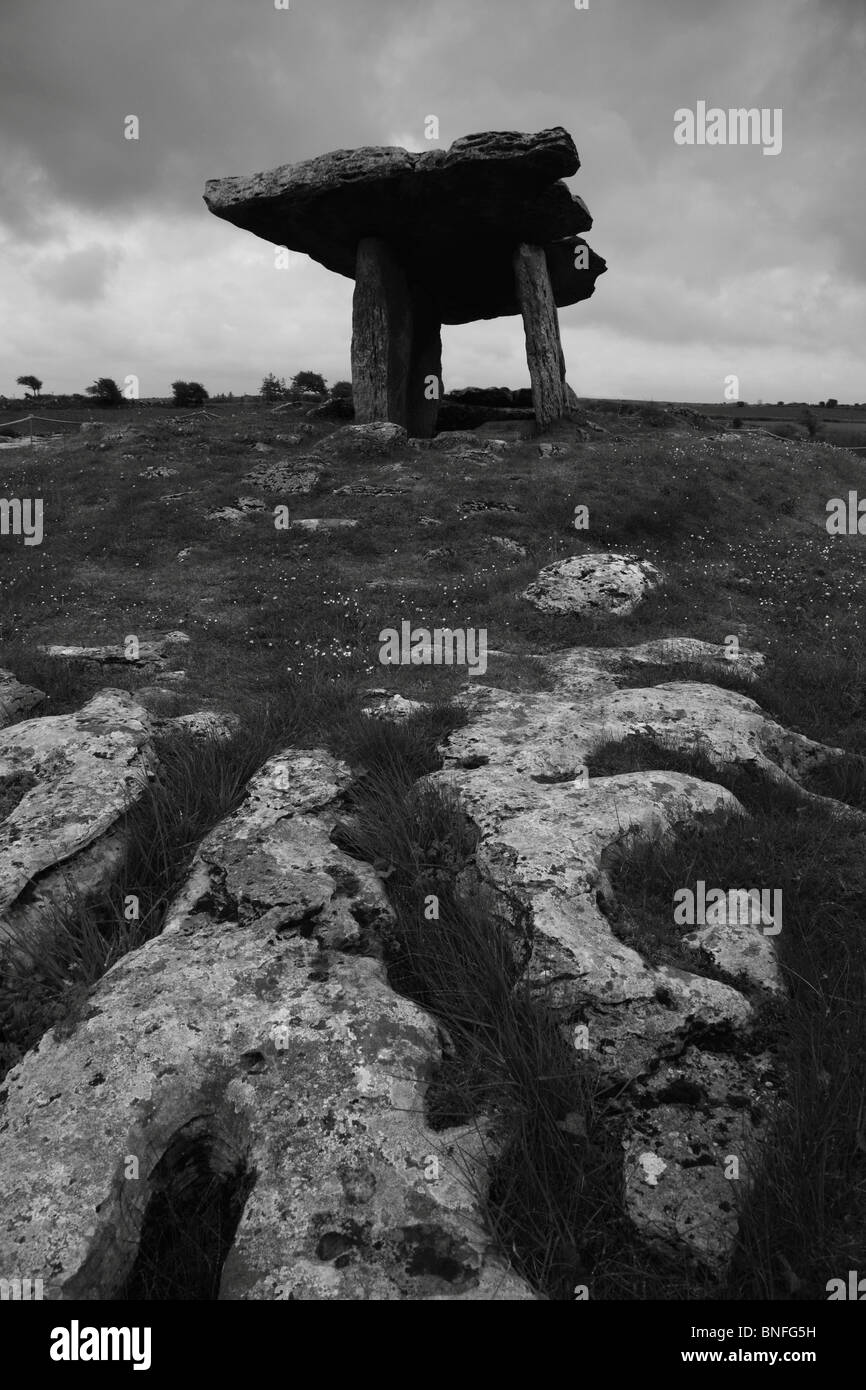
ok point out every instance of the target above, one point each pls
(723, 261)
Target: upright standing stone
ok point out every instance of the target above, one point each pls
(381, 334)
(424, 390)
(541, 326)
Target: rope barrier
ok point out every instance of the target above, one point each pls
(49, 420)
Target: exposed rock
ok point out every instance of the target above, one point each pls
(395, 707)
(376, 439)
(205, 723)
(364, 489)
(244, 507)
(17, 701)
(593, 670)
(152, 654)
(538, 734)
(739, 948)
(600, 582)
(288, 477)
(325, 523)
(488, 504)
(85, 768)
(158, 471)
(510, 547)
(252, 1044)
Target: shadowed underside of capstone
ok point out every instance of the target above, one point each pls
(483, 229)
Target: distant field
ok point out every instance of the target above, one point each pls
(843, 425)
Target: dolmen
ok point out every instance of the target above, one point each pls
(482, 229)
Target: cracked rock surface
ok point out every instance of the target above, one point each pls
(78, 773)
(257, 1041)
(697, 1092)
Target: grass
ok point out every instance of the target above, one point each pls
(284, 630)
(807, 1212)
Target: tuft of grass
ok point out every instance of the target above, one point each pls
(554, 1195)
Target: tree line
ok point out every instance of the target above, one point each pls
(105, 391)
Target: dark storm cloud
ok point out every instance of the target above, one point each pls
(722, 246)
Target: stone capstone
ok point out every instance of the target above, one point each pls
(452, 217)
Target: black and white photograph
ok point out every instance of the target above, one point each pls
(432, 672)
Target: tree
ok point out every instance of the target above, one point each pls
(189, 393)
(309, 381)
(832, 402)
(106, 391)
(341, 390)
(32, 381)
(810, 420)
(273, 388)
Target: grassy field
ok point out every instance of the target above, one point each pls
(284, 632)
(736, 523)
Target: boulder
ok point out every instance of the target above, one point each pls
(255, 1047)
(596, 583)
(375, 439)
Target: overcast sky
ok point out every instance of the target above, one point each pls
(722, 260)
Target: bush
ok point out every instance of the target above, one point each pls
(309, 381)
(189, 393)
(106, 392)
(273, 388)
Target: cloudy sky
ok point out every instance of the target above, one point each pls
(722, 260)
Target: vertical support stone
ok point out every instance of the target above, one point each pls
(381, 334)
(541, 326)
(424, 389)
